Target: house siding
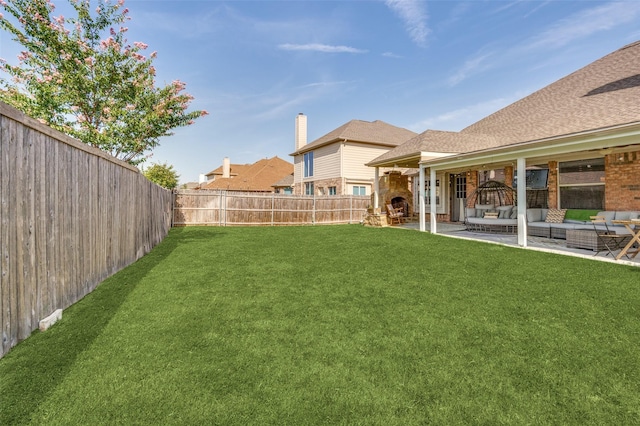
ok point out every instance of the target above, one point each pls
(297, 168)
(326, 162)
(354, 158)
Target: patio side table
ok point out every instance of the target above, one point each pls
(584, 239)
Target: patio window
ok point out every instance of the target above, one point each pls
(308, 164)
(581, 184)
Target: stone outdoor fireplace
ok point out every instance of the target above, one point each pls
(394, 190)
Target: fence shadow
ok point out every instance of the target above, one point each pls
(33, 368)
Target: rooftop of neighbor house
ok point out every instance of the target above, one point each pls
(259, 176)
(370, 132)
(601, 95)
(235, 170)
(286, 181)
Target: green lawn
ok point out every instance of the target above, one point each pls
(337, 325)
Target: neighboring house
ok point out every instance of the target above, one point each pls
(334, 164)
(579, 137)
(284, 185)
(257, 177)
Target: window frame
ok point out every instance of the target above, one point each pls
(308, 164)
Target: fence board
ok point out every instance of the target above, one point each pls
(229, 208)
(70, 216)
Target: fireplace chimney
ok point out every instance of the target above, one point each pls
(301, 131)
(226, 168)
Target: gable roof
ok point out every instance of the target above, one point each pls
(434, 142)
(371, 132)
(604, 94)
(259, 176)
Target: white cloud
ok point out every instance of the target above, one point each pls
(586, 23)
(471, 66)
(567, 31)
(391, 55)
(317, 47)
(414, 15)
(460, 118)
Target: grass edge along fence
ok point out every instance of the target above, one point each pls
(70, 216)
(230, 208)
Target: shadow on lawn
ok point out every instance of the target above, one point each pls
(37, 365)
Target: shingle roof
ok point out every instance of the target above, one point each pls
(437, 141)
(285, 181)
(259, 176)
(603, 94)
(235, 169)
(372, 132)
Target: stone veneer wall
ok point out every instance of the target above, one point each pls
(298, 188)
(622, 177)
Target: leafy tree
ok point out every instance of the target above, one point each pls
(80, 76)
(162, 174)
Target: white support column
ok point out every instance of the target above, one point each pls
(432, 197)
(421, 204)
(522, 202)
(376, 189)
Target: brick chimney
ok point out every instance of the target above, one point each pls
(301, 131)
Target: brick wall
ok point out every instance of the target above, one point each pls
(508, 176)
(622, 181)
(472, 183)
(552, 184)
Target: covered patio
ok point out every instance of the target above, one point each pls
(591, 117)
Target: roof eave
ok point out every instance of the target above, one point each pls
(311, 147)
(590, 140)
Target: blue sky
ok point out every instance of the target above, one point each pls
(254, 65)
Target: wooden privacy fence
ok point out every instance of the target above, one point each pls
(70, 216)
(229, 208)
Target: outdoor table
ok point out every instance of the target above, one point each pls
(635, 237)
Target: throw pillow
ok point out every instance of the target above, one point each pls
(504, 212)
(555, 215)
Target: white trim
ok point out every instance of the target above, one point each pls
(421, 202)
(541, 149)
(433, 207)
(522, 202)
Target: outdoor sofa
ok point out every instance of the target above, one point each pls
(549, 223)
(490, 218)
(554, 223)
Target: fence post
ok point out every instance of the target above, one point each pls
(273, 202)
(313, 216)
(350, 210)
(174, 197)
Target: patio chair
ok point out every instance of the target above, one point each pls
(394, 214)
(611, 241)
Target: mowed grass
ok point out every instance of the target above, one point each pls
(337, 325)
